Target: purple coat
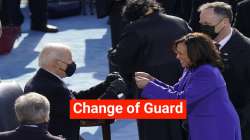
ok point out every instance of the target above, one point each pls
(211, 115)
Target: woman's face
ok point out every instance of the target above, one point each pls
(182, 56)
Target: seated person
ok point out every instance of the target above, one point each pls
(210, 113)
(32, 111)
(55, 62)
(9, 92)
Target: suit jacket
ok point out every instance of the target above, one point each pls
(236, 57)
(211, 115)
(28, 133)
(146, 45)
(242, 21)
(59, 95)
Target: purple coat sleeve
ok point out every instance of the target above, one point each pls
(202, 83)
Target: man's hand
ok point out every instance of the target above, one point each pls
(145, 75)
(111, 77)
(116, 90)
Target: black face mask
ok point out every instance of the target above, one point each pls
(209, 30)
(71, 68)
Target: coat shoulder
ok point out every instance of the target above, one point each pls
(244, 4)
(241, 39)
(208, 70)
(7, 135)
(52, 137)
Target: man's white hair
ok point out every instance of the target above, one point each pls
(52, 52)
(32, 108)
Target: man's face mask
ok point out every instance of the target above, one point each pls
(210, 30)
(70, 70)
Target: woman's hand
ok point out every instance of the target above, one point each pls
(145, 75)
(141, 82)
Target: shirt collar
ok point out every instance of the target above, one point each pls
(225, 39)
(58, 77)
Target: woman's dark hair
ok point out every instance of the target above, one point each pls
(201, 50)
(135, 9)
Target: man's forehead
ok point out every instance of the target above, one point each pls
(208, 15)
(209, 12)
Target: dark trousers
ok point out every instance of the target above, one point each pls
(11, 14)
(116, 22)
(160, 130)
(38, 9)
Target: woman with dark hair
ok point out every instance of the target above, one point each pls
(137, 9)
(211, 115)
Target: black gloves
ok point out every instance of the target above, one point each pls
(116, 90)
(111, 77)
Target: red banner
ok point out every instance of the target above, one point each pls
(128, 109)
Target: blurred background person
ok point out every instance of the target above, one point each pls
(112, 9)
(32, 111)
(11, 15)
(210, 113)
(145, 45)
(215, 20)
(179, 8)
(242, 20)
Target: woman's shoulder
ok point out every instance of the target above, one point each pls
(207, 69)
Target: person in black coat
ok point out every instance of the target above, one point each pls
(55, 63)
(169, 6)
(242, 21)
(146, 45)
(39, 16)
(11, 15)
(235, 52)
(32, 111)
(113, 9)
(194, 16)
(179, 8)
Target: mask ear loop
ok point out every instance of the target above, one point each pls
(219, 23)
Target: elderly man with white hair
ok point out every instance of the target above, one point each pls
(55, 62)
(32, 111)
